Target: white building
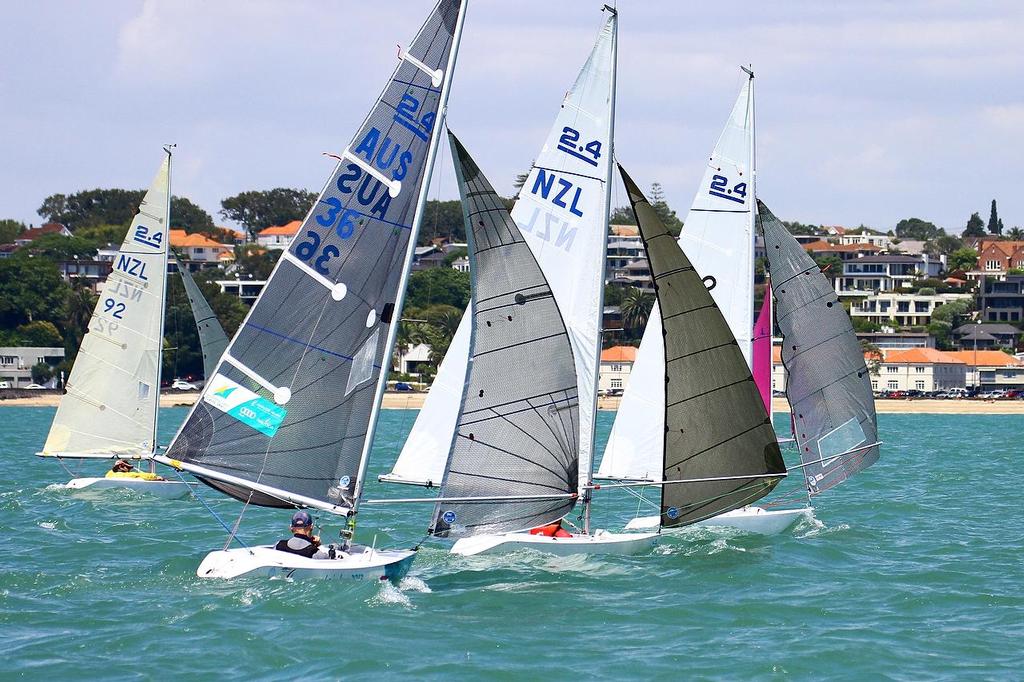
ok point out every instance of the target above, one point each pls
(904, 310)
(16, 363)
(919, 369)
(411, 361)
(278, 236)
(616, 365)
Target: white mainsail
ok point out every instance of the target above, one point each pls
(718, 237)
(109, 408)
(562, 212)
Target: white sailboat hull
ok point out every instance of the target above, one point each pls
(601, 542)
(170, 490)
(360, 563)
(748, 519)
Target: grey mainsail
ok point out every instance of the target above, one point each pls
(516, 434)
(288, 417)
(720, 447)
(212, 338)
(828, 386)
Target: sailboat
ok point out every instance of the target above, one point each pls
(212, 339)
(719, 450)
(562, 213)
(110, 405)
(718, 237)
(287, 418)
(828, 386)
(513, 463)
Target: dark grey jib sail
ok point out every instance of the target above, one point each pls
(212, 338)
(517, 432)
(284, 420)
(716, 426)
(828, 386)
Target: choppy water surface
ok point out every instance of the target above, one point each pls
(910, 571)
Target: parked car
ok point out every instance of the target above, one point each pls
(34, 387)
(992, 395)
(182, 385)
(404, 387)
(957, 393)
(4, 384)
(614, 392)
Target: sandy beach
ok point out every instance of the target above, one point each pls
(413, 401)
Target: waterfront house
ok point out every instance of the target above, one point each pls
(616, 364)
(991, 369)
(278, 236)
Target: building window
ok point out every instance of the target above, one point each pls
(919, 369)
(8, 360)
(874, 385)
(616, 368)
(198, 250)
(893, 385)
(892, 370)
(991, 265)
(919, 385)
(616, 383)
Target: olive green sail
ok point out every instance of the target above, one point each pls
(720, 450)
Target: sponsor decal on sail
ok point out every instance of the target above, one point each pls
(247, 407)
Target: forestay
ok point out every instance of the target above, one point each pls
(828, 386)
(212, 338)
(517, 427)
(285, 419)
(110, 403)
(718, 237)
(562, 213)
(716, 428)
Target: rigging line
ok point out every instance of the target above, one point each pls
(238, 521)
(528, 408)
(710, 479)
(561, 443)
(484, 498)
(755, 494)
(484, 299)
(848, 454)
(199, 497)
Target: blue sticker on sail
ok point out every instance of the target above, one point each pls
(672, 513)
(448, 517)
(247, 407)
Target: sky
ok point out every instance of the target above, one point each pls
(867, 112)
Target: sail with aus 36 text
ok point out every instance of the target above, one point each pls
(287, 415)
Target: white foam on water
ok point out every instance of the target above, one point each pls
(48, 525)
(389, 594)
(414, 584)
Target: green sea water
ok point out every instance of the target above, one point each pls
(913, 570)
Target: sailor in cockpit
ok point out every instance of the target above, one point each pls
(302, 541)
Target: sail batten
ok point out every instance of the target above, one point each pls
(828, 386)
(516, 434)
(715, 424)
(561, 212)
(111, 399)
(290, 406)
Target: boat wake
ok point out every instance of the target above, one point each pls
(389, 594)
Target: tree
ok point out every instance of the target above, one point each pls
(40, 334)
(259, 209)
(442, 219)
(453, 255)
(10, 229)
(915, 228)
(95, 207)
(103, 234)
(944, 245)
(57, 247)
(796, 227)
(254, 262)
(995, 225)
(872, 357)
(962, 259)
(613, 295)
(41, 372)
(79, 306)
(668, 217)
(30, 289)
(437, 286)
(975, 226)
(521, 179)
(830, 266)
(623, 215)
(191, 218)
(636, 308)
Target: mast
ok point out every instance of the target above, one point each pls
(587, 473)
(163, 309)
(389, 344)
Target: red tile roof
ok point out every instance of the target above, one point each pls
(619, 354)
(985, 358)
(287, 230)
(920, 356)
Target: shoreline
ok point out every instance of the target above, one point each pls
(412, 401)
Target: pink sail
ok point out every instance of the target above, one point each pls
(762, 350)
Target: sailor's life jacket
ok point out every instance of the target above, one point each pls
(140, 475)
(301, 545)
(552, 530)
